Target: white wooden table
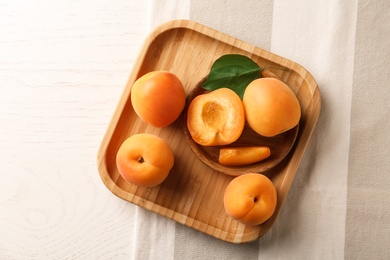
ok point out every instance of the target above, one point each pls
(63, 66)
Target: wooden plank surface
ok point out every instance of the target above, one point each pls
(63, 65)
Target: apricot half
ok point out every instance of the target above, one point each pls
(144, 160)
(158, 98)
(271, 107)
(216, 118)
(250, 198)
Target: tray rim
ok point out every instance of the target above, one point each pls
(169, 213)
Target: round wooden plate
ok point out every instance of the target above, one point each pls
(279, 145)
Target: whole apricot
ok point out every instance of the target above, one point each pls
(144, 160)
(250, 198)
(158, 98)
(216, 118)
(271, 107)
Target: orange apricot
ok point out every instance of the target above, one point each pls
(144, 160)
(158, 98)
(250, 198)
(271, 107)
(216, 118)
(239, 156)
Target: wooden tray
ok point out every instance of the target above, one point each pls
(193, 193)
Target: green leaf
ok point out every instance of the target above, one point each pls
(232, 71)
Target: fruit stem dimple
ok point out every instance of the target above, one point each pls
(140, 159)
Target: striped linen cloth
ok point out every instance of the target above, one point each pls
(339, 204)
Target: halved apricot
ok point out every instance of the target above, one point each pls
(216, 118)
(239, 156)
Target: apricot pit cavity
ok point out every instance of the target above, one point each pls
(213, 115)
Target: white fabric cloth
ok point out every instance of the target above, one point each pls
(164, 11)
(338, 203)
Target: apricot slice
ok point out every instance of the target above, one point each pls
(271, 107)
(216, 118)
(239, 156)
(250, 198)
(158, 98)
